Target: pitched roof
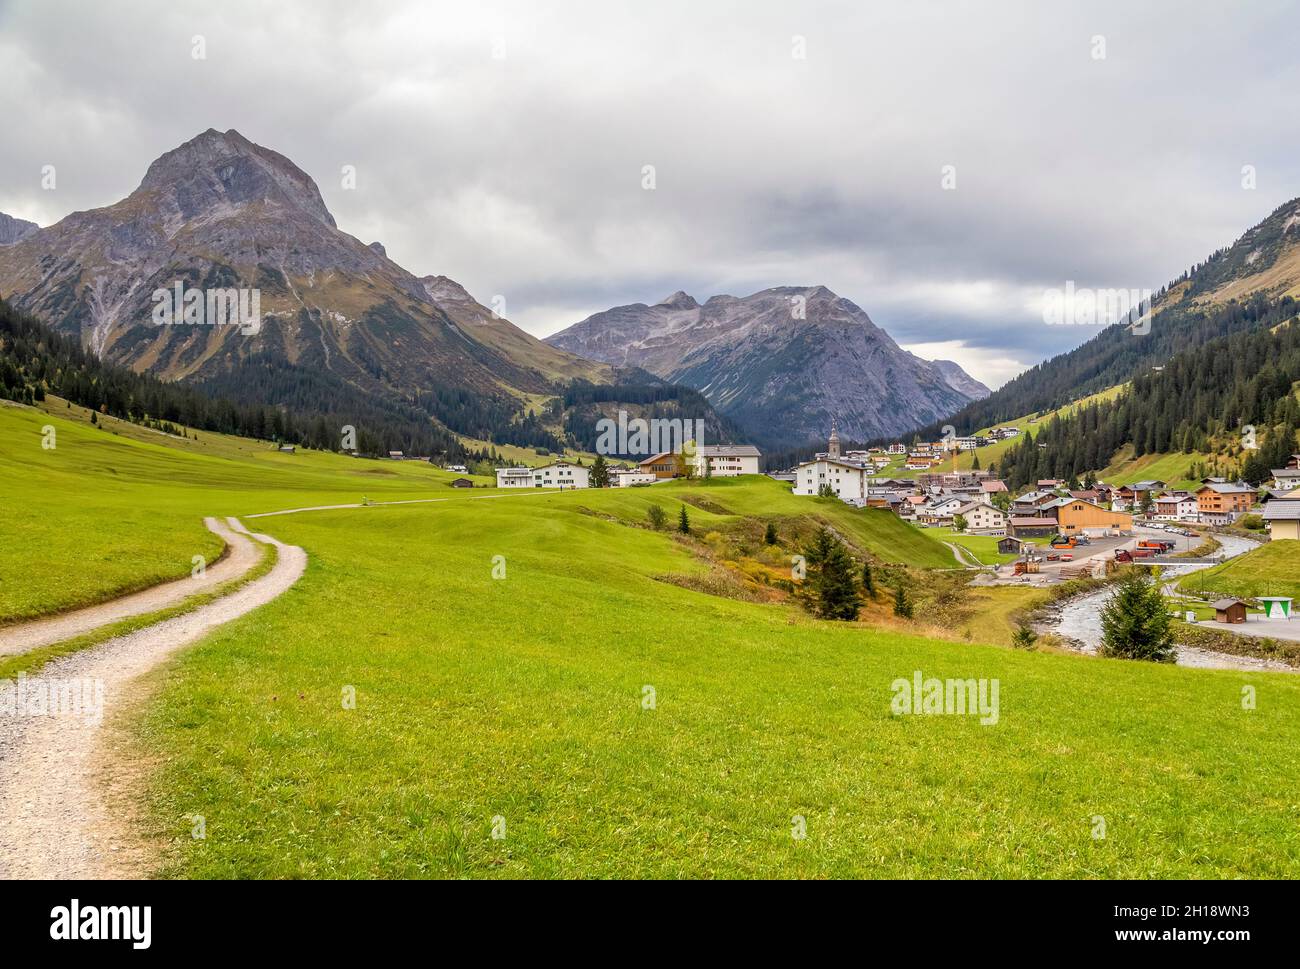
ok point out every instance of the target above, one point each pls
(1033, 522)
(1220, 604)
(1227, 489)
(1282, 510)
(655, 458)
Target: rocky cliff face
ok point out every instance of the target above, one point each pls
(14, 230)
(223, 212)
(781, 362)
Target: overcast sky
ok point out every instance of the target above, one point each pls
(504, 144)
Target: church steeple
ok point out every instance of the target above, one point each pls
(833, 446)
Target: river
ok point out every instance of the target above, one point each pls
(1080, 620)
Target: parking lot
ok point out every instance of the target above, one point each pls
(1098, 550)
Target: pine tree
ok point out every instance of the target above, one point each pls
(1024, 637)
(868, 581)
(832, 582)
(902, 606)
(1135, 622)
(599, 472)
(770, 535)
(683, 522)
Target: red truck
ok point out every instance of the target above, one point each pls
(1157, 544)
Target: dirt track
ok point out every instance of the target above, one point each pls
(241, 556)
(54, 819)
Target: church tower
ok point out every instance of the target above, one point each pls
(833, 446)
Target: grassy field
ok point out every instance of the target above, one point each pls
(500, 652)
(1273, 569)
(115, 508)
(983, 547)
(521, 699)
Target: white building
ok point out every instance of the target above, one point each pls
(982, 519)
(726, 460)
(561, 474)
(847, 479)
(897, 449)
(630, 477)
(1175, 508)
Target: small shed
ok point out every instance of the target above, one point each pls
(1229, 610)
(286, 449)
(1276, 607)
(462, 483)
(1010, 545)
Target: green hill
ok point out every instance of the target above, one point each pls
(523, 702)
(1273, 569)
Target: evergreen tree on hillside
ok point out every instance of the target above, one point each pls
(683, 522)
(599, 472)
(868, 581)
(1135, 621)
(902, 605)
(1024, 637)
(831, 578)
(769, 536)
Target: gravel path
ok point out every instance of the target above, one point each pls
(964, 557)
(55, 820)
(241, 555)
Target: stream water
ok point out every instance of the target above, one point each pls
(1080, 619)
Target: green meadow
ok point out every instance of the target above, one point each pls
(1273, 569)
(541, 685)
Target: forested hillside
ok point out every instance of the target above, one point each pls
(1203, 400)
(34, 359)
(1233, 291)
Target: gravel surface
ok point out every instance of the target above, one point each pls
(241, 556)
(54, 819)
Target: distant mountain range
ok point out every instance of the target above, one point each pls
(339, 317)
(780, 363)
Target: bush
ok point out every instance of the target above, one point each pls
(656, 517)
(1024, 637)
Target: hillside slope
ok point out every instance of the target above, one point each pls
(1260, 267)
(761, 713)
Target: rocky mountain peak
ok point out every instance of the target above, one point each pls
(679, 300)
(442, 289)
(216, 172)
(780, 374)
(15, 230)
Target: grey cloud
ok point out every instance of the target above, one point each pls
(522, 175)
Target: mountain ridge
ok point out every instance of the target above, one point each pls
(782, 362)
(220, 211)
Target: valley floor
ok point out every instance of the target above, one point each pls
(543, 686)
